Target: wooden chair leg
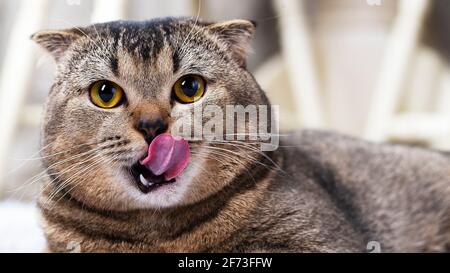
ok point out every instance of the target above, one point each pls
(399, 50)
(299, 58)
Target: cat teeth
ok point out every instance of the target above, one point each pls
(144, 181)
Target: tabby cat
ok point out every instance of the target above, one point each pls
(117, 91)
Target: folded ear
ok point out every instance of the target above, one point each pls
(237, 34)
(56, 42)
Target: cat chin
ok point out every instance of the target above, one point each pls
(163, 197)
(166, 196)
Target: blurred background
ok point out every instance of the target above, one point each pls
(376, 69)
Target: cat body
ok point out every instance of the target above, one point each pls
(318, 192)
(340, 195)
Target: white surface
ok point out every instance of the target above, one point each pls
(108, 10)
(19, 228)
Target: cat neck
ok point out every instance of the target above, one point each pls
(208, 225)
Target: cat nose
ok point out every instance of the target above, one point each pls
(150, 128)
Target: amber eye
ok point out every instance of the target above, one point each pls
(189, 88)
(106, 94)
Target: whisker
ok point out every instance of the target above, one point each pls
(74, 166)
(84, 171)
(253, 159)
(181, 48)
(58, 153)
(73, 177)
(43, 173)
(251, 148)
(233, 159)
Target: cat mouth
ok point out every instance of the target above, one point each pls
(146, 180)
(167, 157)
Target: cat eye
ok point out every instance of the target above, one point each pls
(189, 89)
(106, 94)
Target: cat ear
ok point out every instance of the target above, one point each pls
(237, 34)
(56, 42)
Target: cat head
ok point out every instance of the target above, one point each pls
(119, 85)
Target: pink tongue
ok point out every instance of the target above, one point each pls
(167, 155)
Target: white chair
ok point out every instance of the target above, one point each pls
(410, 76)
(21, 60)
(399, 54)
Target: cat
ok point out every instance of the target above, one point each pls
(117, 89)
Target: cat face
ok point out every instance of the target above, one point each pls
(121, 84)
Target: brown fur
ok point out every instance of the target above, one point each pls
(330, 193)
